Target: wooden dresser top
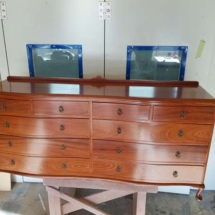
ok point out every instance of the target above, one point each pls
(104, 88)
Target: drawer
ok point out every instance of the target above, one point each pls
(122, 112)
(40, 127)
(44, 166)
(169, 154)
(148, 173)
(45, 147)
(183, 114)
(154, 132)
(62, 108)
(10, 106)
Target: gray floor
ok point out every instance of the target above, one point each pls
(25, 199)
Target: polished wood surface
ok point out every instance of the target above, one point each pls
(61, 108)
(121, 112)
(188, 114)
(153, 132)
(149, 153)
(119, 89)
(78, 148)
(12, 106)
(148, 173)
(40, 166)
(145, 132)
(41, 127)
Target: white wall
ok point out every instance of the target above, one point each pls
(3, 62)
(54, 22)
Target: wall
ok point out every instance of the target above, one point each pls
(3, 61)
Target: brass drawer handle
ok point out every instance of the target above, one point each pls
(119, 111)
(61, 109)
(178, 154)
(6, 124)
(180, 133)
(183, 114)
(119, 130)
(62, 127)
(118, 150)
(118, 169)
(4, 106)
(9, 144)
(64, 166)
(12, 162)
(175, 174)
(63, 147)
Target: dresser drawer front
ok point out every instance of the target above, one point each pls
(183, 114)
(78, 148)
(112, 150)
(148, 173)
(44, 166)
(121, 112)
(50, 128)
(154, 132)
(61, 108)
(10, 106)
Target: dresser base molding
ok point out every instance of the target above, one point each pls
(114, 190)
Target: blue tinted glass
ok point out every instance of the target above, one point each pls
(155, 64)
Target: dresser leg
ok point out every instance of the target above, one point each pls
(198, 194)
(139, 203)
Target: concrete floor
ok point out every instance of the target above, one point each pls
(25, 199)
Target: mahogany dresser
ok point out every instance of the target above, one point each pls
(155, 133)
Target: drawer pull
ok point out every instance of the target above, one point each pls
(64, 166)
(183, 114)
(6, 124)
(118, 169)
(63, 147)
(175, 174)
(12, 162)
(61, 109)
(9, 144)
(118, 150)
(180, 133)
(4, 106)
(119, 130)
(62, 127)
(178, 154)
(119, 111)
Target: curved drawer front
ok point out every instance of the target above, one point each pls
(40, 127)
(154, 132)
(183, 114)
(121, 112)
(10, 106)
(44, 166)
(148, 173)
(62, 108)
(45, 147)
(112, 150)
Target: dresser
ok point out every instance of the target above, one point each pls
(144, 132)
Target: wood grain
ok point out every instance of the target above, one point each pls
(45, 147)
(12, 106)
(153, 132)
(183, 114)
(147, 173)
(61, 108)
(121, 112)
(103, 81)
(149, 153)
(42, 127)
(44, 166)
